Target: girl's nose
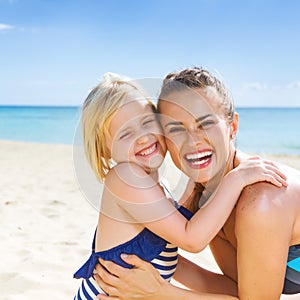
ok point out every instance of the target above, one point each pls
(144, 138)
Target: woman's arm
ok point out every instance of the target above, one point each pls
(143, 282)
(198, 279)
(264, 224)
(141, 197)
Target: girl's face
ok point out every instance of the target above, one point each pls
(136, 135)
(197, 133)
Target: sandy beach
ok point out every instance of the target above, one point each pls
(47, 225)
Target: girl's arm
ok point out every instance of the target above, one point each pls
(138, 194)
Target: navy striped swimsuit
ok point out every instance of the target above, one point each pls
(147, 245)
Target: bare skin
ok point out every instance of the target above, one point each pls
(158, 288)
(271, 218)
(273, 229)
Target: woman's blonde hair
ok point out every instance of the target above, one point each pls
(98, 109)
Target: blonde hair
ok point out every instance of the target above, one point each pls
(98, 109)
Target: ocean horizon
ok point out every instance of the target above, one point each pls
(270, 130)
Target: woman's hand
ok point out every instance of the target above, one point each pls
(141, 282)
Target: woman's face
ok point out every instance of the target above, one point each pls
(197, 133)
(136, 135)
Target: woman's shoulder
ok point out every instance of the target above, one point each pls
(266, 203)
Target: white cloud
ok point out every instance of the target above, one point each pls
(256, 86)
(294, 85)
(5, 26)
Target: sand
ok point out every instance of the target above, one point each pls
(46, 223)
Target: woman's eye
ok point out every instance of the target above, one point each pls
(206, 123)
(175, 129)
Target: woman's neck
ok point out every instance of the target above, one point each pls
(213, 183)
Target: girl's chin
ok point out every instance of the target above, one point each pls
(154, 161)
(150, 168)
(154, 167)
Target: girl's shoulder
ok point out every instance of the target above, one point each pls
(130, 183)
(126, 173)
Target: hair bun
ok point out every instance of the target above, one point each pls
(114, 77)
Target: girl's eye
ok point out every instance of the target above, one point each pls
(149, 121)
(125, 135)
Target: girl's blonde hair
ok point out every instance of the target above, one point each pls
(98, 109)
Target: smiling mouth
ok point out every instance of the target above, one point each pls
(198, 158)
(148, 151)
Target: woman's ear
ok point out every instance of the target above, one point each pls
(234, 125)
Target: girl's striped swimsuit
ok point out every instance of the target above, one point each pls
(147, 245)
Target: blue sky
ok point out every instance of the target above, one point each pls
(53, 51)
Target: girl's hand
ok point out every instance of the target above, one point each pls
(255, 169)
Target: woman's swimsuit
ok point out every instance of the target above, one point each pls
(292, 275)
(147, 245)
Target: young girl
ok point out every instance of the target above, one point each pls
(124, 145)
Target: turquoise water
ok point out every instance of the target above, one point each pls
(269, 130)
(38, 124)
(262, 130)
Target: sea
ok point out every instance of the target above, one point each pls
(261, 129)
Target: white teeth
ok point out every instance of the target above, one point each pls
(198, 162)
(148, 151)
(198, 155)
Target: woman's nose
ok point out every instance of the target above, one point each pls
(195, 137)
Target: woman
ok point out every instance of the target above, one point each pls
(258, 247)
